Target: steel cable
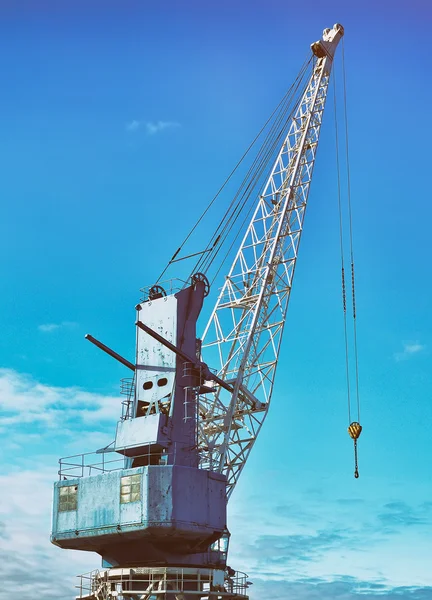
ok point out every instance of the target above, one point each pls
(342, 251)
(234, 206)
(253, 176)
(350, 232)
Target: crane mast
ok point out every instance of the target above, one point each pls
(153, 503)
(244, 333)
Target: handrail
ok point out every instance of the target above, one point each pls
(141, 581)
(85, 465)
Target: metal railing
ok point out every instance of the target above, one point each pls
(90, 584)
(142, 582)
(237, 584)
(95, 463)
(127, 388)
(84, 465)
(170, 286)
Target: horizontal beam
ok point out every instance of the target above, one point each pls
(183, 355)
(120, 359)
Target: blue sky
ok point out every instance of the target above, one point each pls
(119, 121)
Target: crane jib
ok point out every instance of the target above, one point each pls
(247, 322)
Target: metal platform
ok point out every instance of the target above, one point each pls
(167, 583)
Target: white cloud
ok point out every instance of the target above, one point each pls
(409, 350)
(413, 348)
(38, 424)
(27, 558)
(151, 127)
(299, 544)
(24, 400)
(132, 125)
(50, 327)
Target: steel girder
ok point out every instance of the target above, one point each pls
(243, 335)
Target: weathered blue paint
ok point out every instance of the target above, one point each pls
(179, 502)
(182, 508)
(133, 435)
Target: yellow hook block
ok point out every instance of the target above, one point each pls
(355, 430)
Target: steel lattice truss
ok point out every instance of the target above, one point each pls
(244, 332)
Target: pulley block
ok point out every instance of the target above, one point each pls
(354, 431)
(201, 277)
(156, 292)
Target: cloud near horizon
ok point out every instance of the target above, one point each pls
(332, 547)
(24, 400)
(38, 424)
(298, 551)
(340, 588)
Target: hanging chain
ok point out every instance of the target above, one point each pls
(356, 473)
(350, 231)
(354, 431)
(353, 290)
(342, 252)
(343, 290)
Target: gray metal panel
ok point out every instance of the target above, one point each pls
(67, 521)
(99, 501)
(217, 500)
(155, 361)
(190, 491)
(160, 496)
(184, 501)
(131, 512)
(144, 494)
(199, 498)
(140, 432)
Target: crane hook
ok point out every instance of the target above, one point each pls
(356, 473)
(354, 431)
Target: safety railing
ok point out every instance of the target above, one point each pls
(95, 463)
(127, 388)
(91, 463)
(237, 583)
(143, 582)
(90, 584)
(169, 286)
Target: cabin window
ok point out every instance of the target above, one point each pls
(68, 498)
(130, 488)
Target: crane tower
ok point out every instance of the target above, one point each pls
(153, 504)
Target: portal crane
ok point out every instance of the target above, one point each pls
(153, 504)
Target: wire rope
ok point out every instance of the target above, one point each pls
(354, 427)
(254, 174)
(339, 194)
(251, 178)
(350, 232)
(276, 143)
(235, 206)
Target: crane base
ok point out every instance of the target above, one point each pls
(163, 583)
